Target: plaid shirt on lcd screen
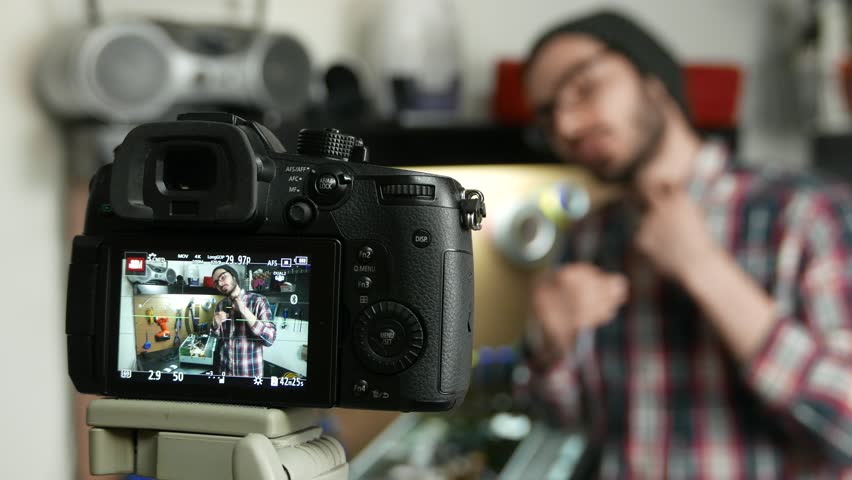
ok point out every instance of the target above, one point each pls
(240, 346)
(658, 390)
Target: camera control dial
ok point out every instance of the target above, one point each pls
(388, 337)
(328, 143)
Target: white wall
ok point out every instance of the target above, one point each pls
(35, 404)
(285, 350)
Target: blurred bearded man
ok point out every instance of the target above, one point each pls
(701, 324)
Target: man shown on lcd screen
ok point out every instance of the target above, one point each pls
(242, 324)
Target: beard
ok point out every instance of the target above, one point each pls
(650, 124)
(228, 291)
(648, 121)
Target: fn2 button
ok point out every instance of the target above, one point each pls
(365, 255)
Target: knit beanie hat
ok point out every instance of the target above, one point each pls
(228, 269)
(623, 35)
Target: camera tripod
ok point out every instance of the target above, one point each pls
(195, 441)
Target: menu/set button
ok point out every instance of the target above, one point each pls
(388, 337)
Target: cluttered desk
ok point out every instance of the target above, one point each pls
(493, 434)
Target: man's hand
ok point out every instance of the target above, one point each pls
(219, 318)
(245, 313)
(672, 234)
(575, 297)
(239, 305)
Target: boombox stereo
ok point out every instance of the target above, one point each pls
(139, 71)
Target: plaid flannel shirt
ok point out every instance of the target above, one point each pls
(658, 391)
(240, 346)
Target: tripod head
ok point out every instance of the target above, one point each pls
(195, 441)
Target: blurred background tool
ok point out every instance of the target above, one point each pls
(530, 232)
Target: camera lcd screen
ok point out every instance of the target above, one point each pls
(238, 319)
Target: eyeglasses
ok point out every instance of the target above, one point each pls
(224, 275)
(579, 86)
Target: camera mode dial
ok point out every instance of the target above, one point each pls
(328, 143)
(388, 337)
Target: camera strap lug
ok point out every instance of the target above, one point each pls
(472, 209)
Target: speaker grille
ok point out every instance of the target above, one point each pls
(287, 74)
(131, 70)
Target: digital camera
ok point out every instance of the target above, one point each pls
(307, 279)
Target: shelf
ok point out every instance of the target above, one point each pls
(193, 290)
(140, 289)
(173, 289)
(832, 155)
(458, 144)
